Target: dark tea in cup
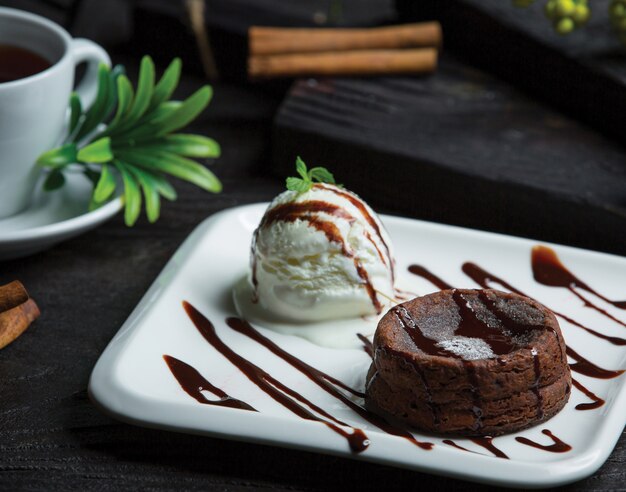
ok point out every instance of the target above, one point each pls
(17, 63)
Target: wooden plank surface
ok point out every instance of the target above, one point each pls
(463, 148)
(583, 74)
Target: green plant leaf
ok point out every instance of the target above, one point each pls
(116, 72)
(186, 113)
(138, 144)
(76, 111)
(182, 144)
(145, 88)
(177, 166)
(165, 189)
(132, 195)
(164, 111)
(59, 157)
(54, 180)
(192, 145)
(96, 152)
(167, 85)
(125, 97)
(301, 169)
(105, 186)
(148, 126)
(322, 175)
(150, 193)
(96, 113)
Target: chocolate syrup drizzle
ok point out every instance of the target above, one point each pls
(323, 380)
(449, 442)
(487, 443)
(307, 210)
(548, 270)
(582, 365)
(281, 393)
(596, 403)
(194, 384)
(588, 368)
(368, 217)
(482, 278)
(420, 271)
(557, 445)
(368, 347)
(426, 344)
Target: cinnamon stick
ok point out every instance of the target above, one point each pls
(277, 40)
(11, 295)
(17, 311)
(15, 321)
(366, 62)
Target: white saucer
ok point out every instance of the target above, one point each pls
(53, 217)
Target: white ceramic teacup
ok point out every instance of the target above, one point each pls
(33, 109)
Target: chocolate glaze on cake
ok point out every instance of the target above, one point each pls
(470, 362)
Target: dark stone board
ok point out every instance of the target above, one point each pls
(583, 73)
(463, 148)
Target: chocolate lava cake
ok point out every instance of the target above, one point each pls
(469, 362)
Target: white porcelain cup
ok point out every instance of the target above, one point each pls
(33, 110)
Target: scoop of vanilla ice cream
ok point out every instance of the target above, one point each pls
(322, 254)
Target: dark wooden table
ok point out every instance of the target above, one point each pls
(53, 438)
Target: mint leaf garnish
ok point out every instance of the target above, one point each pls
(308, 177)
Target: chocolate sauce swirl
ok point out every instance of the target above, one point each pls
(366, 215)
(483, 278)
(193, 383)
(324, 381)
(368, 347)
(487, 443)
(281, 393)
(588, 368)
(450, 442)
(557, 445)
(596, 402)
(421, 271)
(548, 270)
(471, 326)
(425, 344)
(581, 364)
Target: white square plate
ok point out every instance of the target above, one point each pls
(132, 382)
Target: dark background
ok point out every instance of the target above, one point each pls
(51, 435)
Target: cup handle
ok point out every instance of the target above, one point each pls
(84, 50)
